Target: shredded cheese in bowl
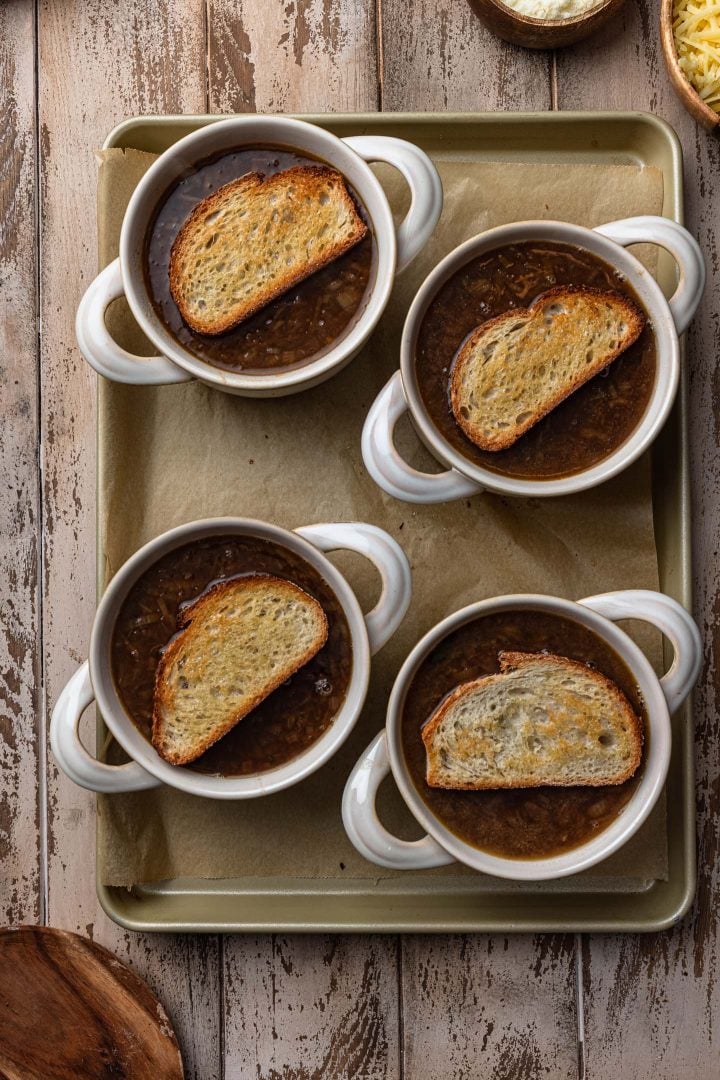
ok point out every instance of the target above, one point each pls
(696, 27)
(552, 9)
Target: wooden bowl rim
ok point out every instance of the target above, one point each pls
(686, 91)
(551, 24)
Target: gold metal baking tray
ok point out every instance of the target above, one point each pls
(292, 904)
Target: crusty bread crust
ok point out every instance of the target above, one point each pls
(186, 617)
(307, 178)
(636, 321)
(511, 661)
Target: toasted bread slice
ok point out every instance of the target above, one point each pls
(544, 720)
(255, 238)
(514, 369)
(239, 641)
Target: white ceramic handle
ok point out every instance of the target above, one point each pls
(389, 470)
(71, 755)
(101, 350)
(672, 620)
(425, 189)
(390, 561)
(684, 248)
(363, 826)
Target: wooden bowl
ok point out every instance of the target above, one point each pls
(69, 1008)
(687, 93)
(542, 33)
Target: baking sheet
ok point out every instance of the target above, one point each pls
(534, 547)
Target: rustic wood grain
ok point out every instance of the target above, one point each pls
(302, 1007)
(293, 56)
(499, 1008)
(438, 56)
(20, 738)
(476, 1006)
(98, 1018)
(100, 63)
(307, 1008)
(480, 1006)
(652, 1002)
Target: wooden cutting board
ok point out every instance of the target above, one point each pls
(69, 1010)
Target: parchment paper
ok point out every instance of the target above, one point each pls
(173, 454)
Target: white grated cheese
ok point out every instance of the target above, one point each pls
(551, 9)
(696, 26)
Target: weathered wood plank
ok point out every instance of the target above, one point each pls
(476, 1006)
(20, 732)
(100, 63)
(306, 1008)
(489, 1007)
(299, 56)
(437, 56)
(301, 1007)
(652, 1003)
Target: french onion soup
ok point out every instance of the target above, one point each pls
(297, 327)
(594, 420)
(295, 714)
(528, 822)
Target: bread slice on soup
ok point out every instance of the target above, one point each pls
(544, 720)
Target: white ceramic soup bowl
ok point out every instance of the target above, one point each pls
(395, 249)
(661, 697)
(93, 680)
(462, 478)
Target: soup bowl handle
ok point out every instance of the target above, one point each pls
(425, 189)
(363, 826)
(389, 470)
(684, 248)
(389, 560)
(101, 350)
(672, 620)
(71, 755)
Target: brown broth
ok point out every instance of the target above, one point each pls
(519, 824)
(298, 327)
(295, 715)
(589, 425)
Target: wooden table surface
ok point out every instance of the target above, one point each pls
(272, 1006)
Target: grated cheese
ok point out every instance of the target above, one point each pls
(551, 9)
(696, 26)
